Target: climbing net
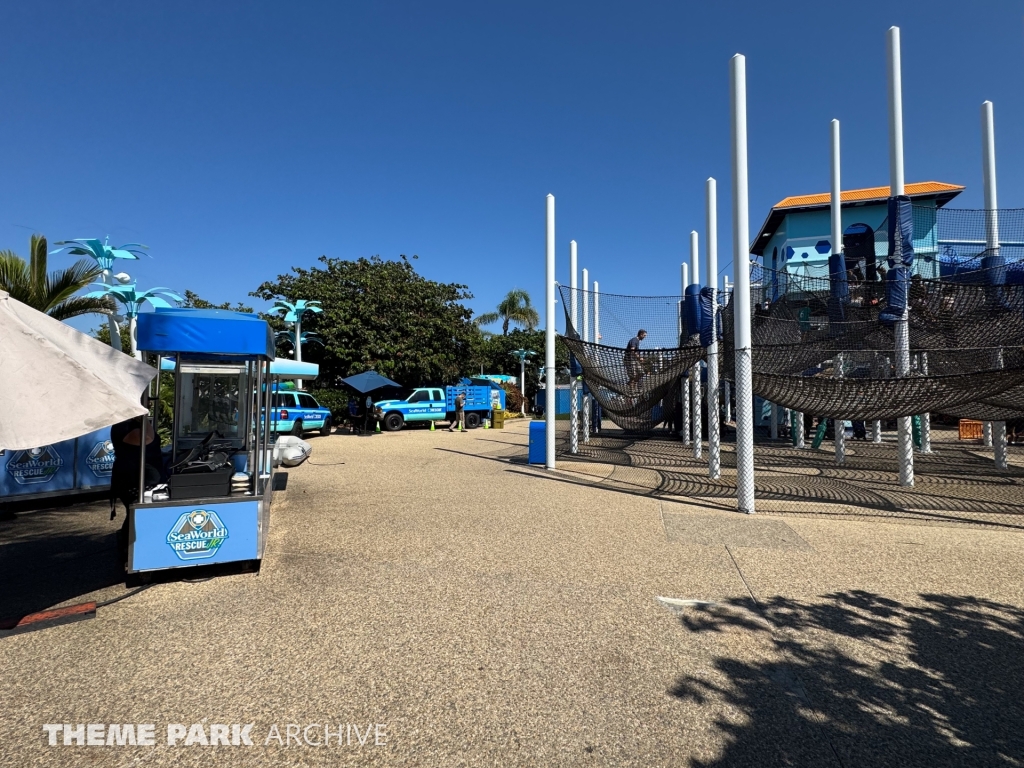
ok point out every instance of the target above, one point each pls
(826, 344)
(637, 390)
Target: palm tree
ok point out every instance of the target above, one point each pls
(514, 308)
(288, 337)
(132, 301)
(53, 293)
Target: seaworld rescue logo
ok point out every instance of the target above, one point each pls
(101, 459)
(197, 535)
(35, 465)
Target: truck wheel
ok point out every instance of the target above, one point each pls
(393, 422)
(296, 428)
(472, 420)
(324, 430)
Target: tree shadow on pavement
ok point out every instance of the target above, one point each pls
(874, 681)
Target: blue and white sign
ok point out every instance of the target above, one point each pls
(197, 535)
(194, 533)
(45, 469)
(95, 459)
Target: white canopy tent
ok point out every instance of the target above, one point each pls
(57, 383)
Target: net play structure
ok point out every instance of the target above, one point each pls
(925, 322)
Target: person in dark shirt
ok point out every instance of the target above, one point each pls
(124, 476)
(633, 361)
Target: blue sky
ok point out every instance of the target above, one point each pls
(241, 139)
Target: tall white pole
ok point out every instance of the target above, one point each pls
(572, 286)
(741, 293)
(988, 146)
(596, 425)
(684, 275)
(698, 425)
(549, 338)
(714, 435)
(586, 306)
(837, 247)
(574, 417)
(522, 385)
(902, 330)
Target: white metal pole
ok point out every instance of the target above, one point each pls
(684, 273)
(134, 342)
(586, 306)
(597, 312)
(837, 247)
(741, 301)
(902, 330)
(986, 434)
(698, 423)
(549, 338)
(522, 385)
(988, 145)
(572, 286)
(298, 345)
(711, 235)
(574, 318)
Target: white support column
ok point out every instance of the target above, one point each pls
(597, 313)
(574, 417)
(684, 275)
(837, 247)
(697, 420)
(988, 147)
(714, 414)
(902, 330)
(727, 290)
(549, 337)
(586, 419)
(741, 261)
(800, 441)
(573, 298)
(586, 306)
(926, 418)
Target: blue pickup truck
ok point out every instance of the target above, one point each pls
(438, 404)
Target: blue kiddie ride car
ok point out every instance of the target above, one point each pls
(295, 412)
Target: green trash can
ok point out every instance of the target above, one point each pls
(498, 418)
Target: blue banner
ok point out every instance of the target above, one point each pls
(95, 459)
(195, 533)
(38, 470)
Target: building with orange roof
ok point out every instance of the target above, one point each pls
(795, 238)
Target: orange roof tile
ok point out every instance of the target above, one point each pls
(871, 193)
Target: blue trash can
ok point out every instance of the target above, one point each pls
(538, 442)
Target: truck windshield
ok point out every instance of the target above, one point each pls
(418, 397)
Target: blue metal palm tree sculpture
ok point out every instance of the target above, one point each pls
(105, 256)
(132, 301)
(293, 315)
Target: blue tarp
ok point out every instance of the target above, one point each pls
(707, 310)
(692, 310)
(204, 332)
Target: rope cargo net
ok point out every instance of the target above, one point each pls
(636, 392)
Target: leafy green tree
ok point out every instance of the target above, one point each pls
(193, 300)
(514, 308)
(493, 354)
(382, 315)
(52, 293)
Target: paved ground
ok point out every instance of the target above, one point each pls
(488, 613)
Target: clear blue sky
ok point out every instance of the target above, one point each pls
(241, 139)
